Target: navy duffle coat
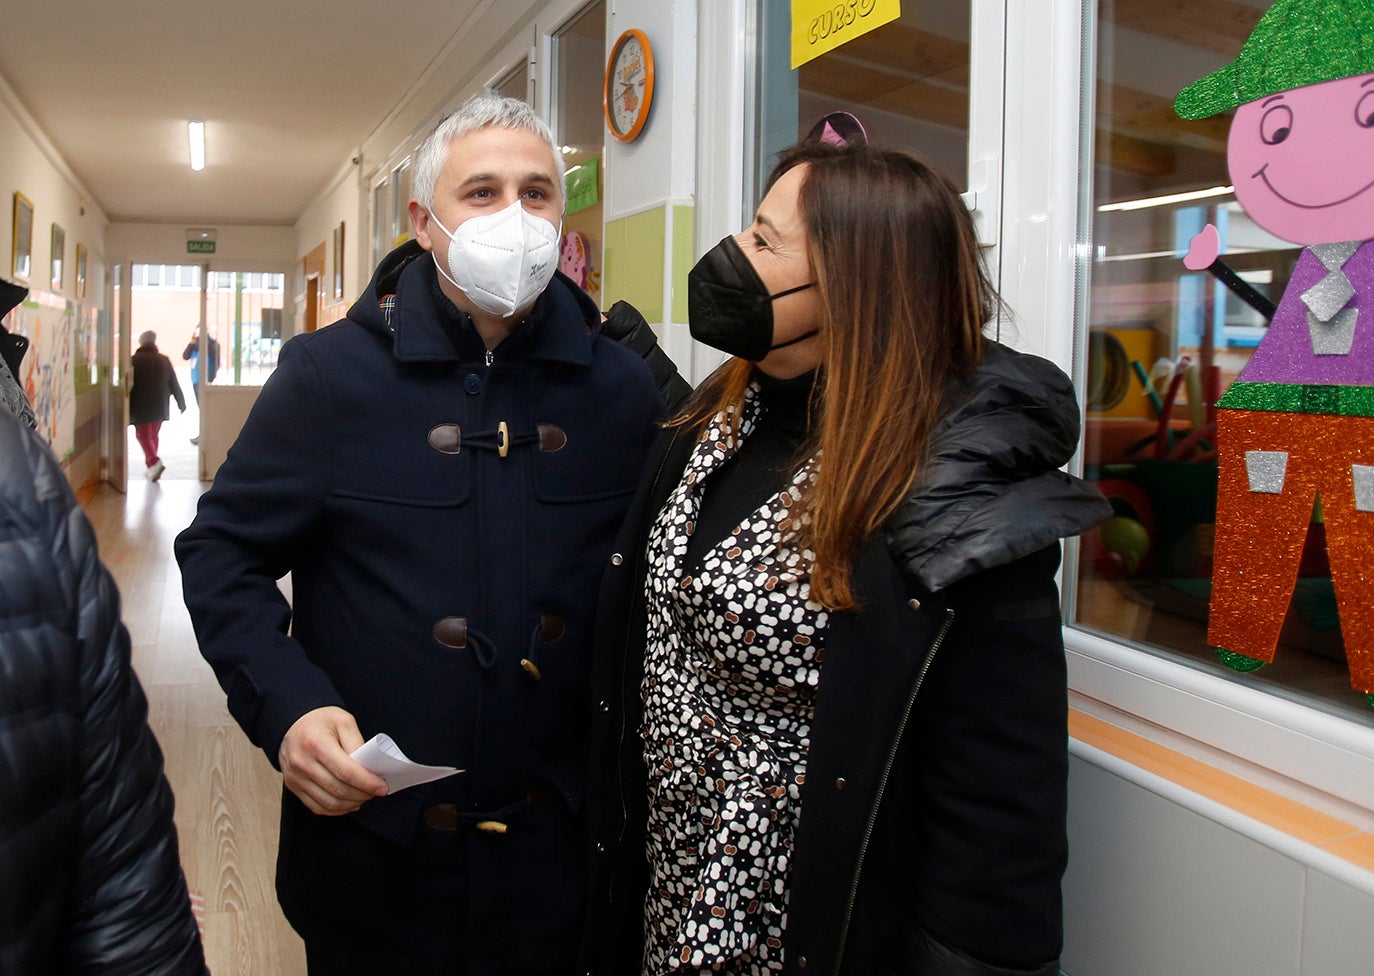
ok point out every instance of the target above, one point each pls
(445, 514)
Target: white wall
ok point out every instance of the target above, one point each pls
(237, 248)
(31, 165)
(343, 201)
(659, 166)
(1161, 881)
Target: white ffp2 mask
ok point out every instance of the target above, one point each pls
(501, 261)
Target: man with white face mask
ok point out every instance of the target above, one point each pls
(443, 472)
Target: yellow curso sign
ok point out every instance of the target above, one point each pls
(823, 25)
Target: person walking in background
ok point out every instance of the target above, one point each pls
(192, 353)
(90, 879)
(832, 725)
(154, 383)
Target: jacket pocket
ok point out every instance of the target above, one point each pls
(435, 472)
(587, 460)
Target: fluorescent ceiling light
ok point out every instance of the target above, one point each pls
(196, 133)
(1216, 191)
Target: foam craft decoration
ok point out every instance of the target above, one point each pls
(1301, 156)
(572, 260)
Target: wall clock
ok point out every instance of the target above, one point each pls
(629, 88)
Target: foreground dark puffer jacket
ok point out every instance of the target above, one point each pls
(90, 881)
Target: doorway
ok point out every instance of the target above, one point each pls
(219, 367)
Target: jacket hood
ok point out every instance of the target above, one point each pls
(990, 490)
(386, 280)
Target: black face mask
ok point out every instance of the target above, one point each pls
(728, 305)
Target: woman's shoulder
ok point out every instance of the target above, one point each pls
(990, 490)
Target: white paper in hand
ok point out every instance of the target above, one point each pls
(381, 755)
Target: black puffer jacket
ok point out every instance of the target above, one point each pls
(90, 881)
(932, 832)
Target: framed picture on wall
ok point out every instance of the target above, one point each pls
(59, 256)
(80, 271)
(22, 250)
(339, 260)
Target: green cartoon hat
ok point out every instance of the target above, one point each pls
(1296, 43)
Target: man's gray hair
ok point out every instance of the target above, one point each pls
(478, 112)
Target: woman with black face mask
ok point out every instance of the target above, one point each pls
(831, 697)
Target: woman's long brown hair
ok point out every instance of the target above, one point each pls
(903, 298)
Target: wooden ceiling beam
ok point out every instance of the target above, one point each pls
(1213, 25)
(1151, 116)
(914, 53)
(1118, 151)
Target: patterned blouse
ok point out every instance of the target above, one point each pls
(731, 670)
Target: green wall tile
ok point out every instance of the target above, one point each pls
(635, 249)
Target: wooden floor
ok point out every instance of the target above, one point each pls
(227, 793)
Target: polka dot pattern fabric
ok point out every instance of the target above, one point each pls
(731, 671)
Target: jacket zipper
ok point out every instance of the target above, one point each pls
(882, 785)
(640, 573)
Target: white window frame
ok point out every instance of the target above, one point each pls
(1050, 48)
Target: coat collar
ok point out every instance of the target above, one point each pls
(427, 327)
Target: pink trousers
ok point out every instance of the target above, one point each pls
(147, 439)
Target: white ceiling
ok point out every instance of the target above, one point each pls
(287, 90)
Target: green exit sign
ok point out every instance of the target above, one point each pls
(200, 247)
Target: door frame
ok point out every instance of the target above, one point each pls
(116, 350)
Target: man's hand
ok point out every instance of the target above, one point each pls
(315, 763)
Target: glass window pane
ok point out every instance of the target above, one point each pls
(246, 322)
(118, 297)
(400, 203)
(578, 58)
(1163, 344)
(516, 82)
(381, 221)
(907, 82)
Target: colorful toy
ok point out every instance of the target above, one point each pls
(1298, 423)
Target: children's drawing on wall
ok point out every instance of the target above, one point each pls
(1296, 430)
(87, 345)
(47, 378)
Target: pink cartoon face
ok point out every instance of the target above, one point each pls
(1302, 161)
(573, 257)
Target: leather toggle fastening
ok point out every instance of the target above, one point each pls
(549, 629)
(501, 440)
(452, 632)
(446, 438)
(552, 438)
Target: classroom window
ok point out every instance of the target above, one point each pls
(1163, 343)
(907, 82)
